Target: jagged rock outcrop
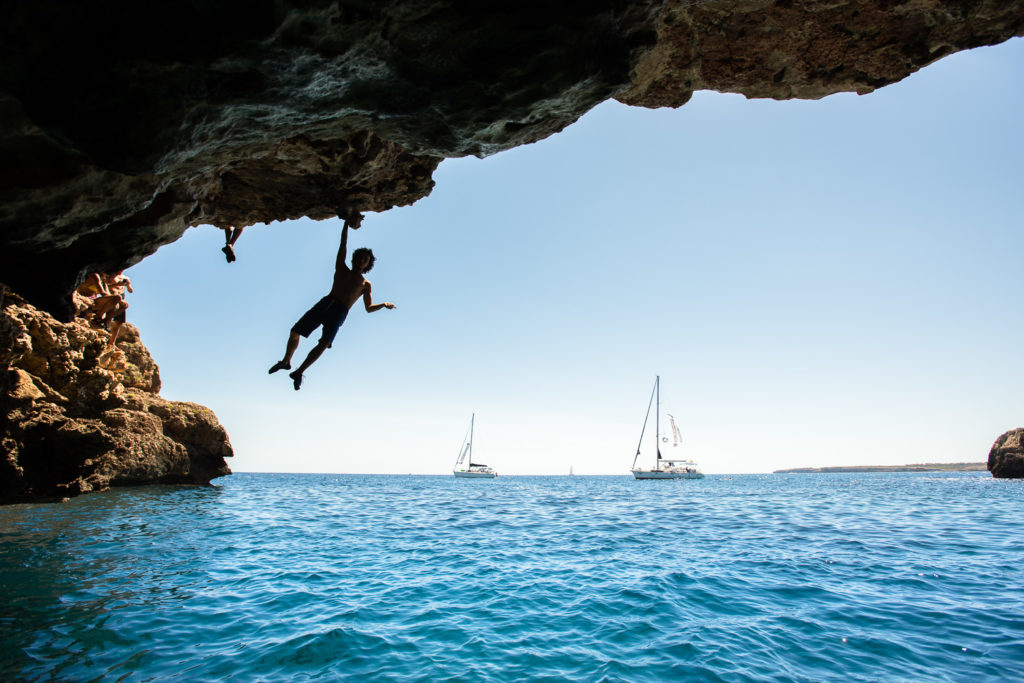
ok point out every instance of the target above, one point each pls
(806, 49)
(123, 124)
(75, 417)
(1006, 459)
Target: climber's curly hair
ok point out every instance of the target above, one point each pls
(369, 252)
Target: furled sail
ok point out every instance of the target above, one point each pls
(463, 454)
(677, 436)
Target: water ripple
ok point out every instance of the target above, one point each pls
(328, 577)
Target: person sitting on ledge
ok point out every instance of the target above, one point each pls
(331, 311)
(111, 306)
(93, 287)
(115, 315)
(231, 235)
(92, 290)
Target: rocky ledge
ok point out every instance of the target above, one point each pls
(77, 416)
(1006, 459)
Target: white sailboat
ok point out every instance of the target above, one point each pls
(464, 466)
(664, 467)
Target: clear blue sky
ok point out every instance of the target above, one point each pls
(818, 283)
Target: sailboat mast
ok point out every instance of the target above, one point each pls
(657, 419)
(472, 419)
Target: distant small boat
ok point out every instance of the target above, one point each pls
(464, 466)
(664, 468)
(570, 471)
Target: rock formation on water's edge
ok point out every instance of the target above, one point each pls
(1006, 459)
(123, 124)
(76, 417)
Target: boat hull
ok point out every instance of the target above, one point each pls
(475, 475)
(662, 474)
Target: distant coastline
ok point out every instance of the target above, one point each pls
(925, 467)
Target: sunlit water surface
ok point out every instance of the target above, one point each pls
(326, 577)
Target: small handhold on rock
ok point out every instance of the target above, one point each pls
(22, 386)
(113, 360)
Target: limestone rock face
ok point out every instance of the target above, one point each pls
(807, 49)
(1006, 459)
(123, 124)
(75, 417)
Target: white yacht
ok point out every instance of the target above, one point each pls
(664, 467)
(464, 466)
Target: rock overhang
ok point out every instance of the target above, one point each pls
(120, 129)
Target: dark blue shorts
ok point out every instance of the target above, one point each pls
(328, 312)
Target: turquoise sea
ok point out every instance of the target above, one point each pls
(800, 577)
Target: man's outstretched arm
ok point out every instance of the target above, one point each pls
(368, 301)
(354, 220)
(339, 263)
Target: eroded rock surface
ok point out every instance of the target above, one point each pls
(807, 49)
(74, 418)
(1006, 459)
(123, 124)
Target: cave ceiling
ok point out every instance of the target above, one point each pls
(124, 123)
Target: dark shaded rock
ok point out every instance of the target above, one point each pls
(1006, 459)
(123, 127)
(123, 124)
(78, 419)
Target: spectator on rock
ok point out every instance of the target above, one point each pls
(108, 311)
